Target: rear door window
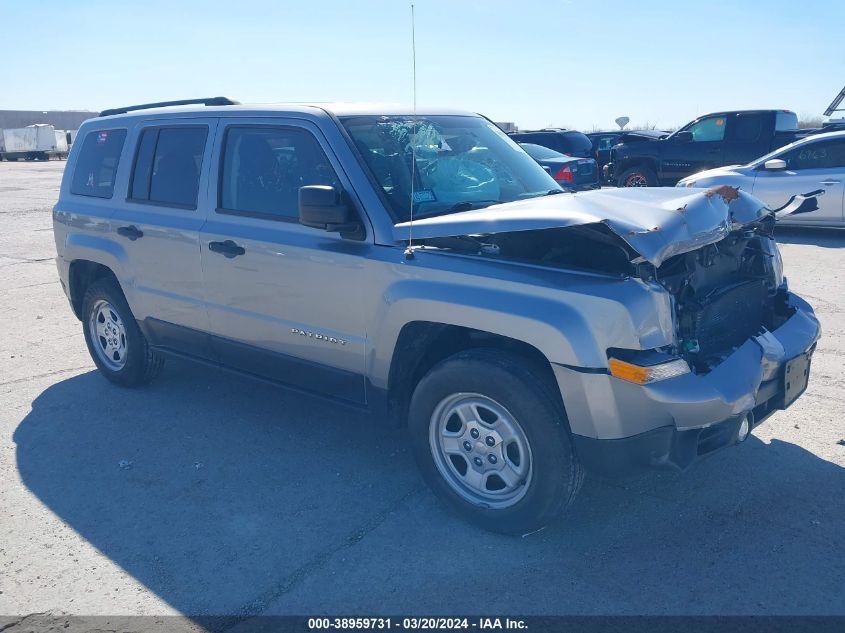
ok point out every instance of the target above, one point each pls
(264, 167)
(168, 164)
(747, 128)
(96, 166)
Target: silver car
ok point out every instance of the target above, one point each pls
(421, 267)
(812, 164)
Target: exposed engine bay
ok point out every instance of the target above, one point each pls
(724, 292)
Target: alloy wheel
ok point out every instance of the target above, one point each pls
(108, 335)
(480, 450)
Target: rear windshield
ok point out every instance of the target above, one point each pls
(96, 164)
(578, 144)
(786, 121)
(445, 163)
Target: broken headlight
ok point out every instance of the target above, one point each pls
(777, 265)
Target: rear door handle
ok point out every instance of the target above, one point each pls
(830, 182)
(227, 249)
(132, 232)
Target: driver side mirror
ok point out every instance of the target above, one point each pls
(684, 137)
(775, 164)
(325, 207)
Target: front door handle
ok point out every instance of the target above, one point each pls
(132, 232)
(227, 249)
(830, 183)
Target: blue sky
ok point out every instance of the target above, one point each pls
(575, 63)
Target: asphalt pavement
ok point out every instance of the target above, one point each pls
(205, 493)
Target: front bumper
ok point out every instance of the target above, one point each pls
(619, 426)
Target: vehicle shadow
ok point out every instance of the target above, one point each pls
(207, 487)
(229, 497)
(827, 238)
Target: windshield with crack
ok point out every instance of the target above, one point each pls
(458, 163)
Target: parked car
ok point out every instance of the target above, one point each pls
(574, 174)
(568, 142)
(713, 140)
(374, 257)
(814, 163)
(833, 125)
(603, 142)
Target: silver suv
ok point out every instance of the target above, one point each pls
(423, 267)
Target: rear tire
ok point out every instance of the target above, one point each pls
(638, 176)
(114, 340)
(520, 471)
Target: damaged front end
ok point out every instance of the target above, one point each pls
(713, 251)
(740, 343)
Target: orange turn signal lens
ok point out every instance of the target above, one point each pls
(645, 375)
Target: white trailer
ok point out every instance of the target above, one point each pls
(18, 143)
(61, 143)
(34, 142)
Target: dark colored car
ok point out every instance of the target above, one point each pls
(568, 142)
(571, 173)
(604, 141)
(834, 125)
(713, 140)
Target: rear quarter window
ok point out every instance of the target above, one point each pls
(96, 165)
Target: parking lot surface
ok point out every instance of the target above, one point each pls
(206, 493)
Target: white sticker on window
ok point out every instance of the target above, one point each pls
(424, 195)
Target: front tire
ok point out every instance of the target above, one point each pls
(114, 340)
(492, 441)
(638, 176)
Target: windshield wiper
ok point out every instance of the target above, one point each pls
(540, 194)
(468, 205)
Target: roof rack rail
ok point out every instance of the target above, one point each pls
(209, 101)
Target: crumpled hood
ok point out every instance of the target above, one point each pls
(657, 223)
